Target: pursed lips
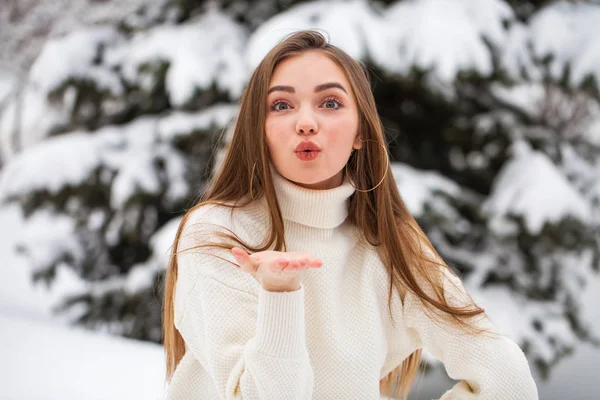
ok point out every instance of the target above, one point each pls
(307, 146)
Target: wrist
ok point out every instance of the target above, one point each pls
(278, 289)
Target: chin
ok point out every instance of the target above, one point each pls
(319, 182)
(303, 177)
(311, 179)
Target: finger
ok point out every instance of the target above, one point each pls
(282, 262)
(246, 262)
(308, 260)
(279, 265)
(292, 267)
(315, 263)
(287, 268)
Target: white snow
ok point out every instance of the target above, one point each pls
(72, 57)
(128, 150)
(27, 24)
(133, 151)
(7, 82)
(46, 167)
(515, 55)
(569, 32)
(446, 36)
(199, 54)
(513, 315)
(142, 276)
(531, 186)
(162, 241)
(41, 360)
(39, 350)
(510, 312)
(44, 359)
(527, 96)
(208, 51)
(418, 187)
(17, 291)
(180, 124)
(31, 116)
(45, 249)
(345, 23)
(564, 31)
(443, 36)
(592, 131)
(587, 175)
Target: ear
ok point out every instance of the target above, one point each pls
(357, 142)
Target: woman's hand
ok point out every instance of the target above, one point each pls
(276, 271)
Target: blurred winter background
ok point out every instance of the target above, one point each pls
(110, 111)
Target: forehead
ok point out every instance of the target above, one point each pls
(307, 70)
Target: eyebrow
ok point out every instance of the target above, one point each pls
(318, 88)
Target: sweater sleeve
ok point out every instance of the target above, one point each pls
(250, 342)
(488, 366)
(253, 347)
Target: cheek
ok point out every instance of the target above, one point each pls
(273, 126)
(273, 129)
(343, 131)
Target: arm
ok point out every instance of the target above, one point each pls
(253, 347)
(489, 367)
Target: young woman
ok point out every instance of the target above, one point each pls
(301, 273)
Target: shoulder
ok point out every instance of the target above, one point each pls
(246, 221)
(207, 213)
(197, 256)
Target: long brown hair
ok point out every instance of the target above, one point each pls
(380, 214)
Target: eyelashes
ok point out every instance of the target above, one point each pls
(275, 105)
(339, 102)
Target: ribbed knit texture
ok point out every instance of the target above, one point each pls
(331, 339)
(281, 318)
(312, 208)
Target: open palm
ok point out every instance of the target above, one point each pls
(276, 271)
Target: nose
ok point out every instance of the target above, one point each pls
(307, 124)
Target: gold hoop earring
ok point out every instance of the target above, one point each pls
(387, 159)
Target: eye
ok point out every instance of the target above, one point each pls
(332, 104)
(280, 106)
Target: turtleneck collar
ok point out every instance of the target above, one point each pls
(317, 208)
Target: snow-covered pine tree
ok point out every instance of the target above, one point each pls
(112, 138)
(512, 183)
(496, 145)
(118, 128)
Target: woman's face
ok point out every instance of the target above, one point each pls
(310, 106)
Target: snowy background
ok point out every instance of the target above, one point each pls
(111, 121)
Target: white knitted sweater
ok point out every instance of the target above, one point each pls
(331, 339)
